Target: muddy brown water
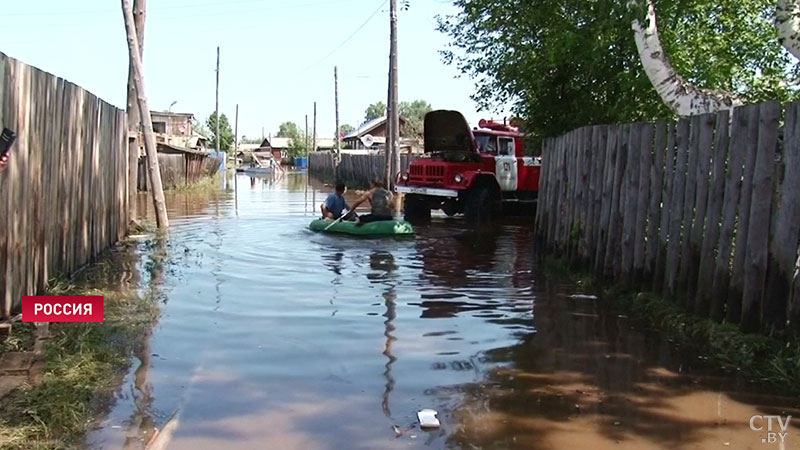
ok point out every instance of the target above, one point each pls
(273, 337)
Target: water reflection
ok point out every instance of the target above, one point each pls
(256, 357)
(383, 266)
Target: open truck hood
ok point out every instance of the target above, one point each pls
(447, 131)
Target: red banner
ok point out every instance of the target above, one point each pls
(76, 308)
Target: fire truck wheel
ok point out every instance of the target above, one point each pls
(450, 208)
(478, 207)
(416, 208)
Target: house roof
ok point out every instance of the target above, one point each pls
(168, 114)
(249, 147)
(326, 143)
(279, 142)
(169, 148)
(368, 126)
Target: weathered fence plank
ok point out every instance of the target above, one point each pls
(665, 219)
(656, 174)
(605, 199)
(643, 193)
(730, 204)
(713, 217)
(703, 175)
(734, 313)
(613, 253)
(631, 189)
(677, 207)
(783, 244)
(756, 257)
(687, 221)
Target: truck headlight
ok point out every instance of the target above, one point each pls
(404, 176)
(459, 178)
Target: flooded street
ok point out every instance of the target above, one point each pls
(271, 336)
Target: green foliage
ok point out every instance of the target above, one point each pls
(565, 65)
(200, 128)
(414, 113)
(374, 111)
(288, 130)
(346, 129)
(298, 140)
(225, 131)
(247, 140)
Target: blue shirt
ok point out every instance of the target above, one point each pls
(336, 204)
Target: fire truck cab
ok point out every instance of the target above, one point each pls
(468, 171)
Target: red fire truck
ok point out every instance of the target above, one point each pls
(468, 171)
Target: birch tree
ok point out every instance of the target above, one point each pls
(678, 94)
(787, 21)
(561, 65)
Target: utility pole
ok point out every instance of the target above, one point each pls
(236, 132)
(314, 145)
(236, 161)
(314, 130)
(134, 54)
(134, 121)
(305, 136)
(338, 143)
(219, 143)
(387, 146)
(394, 118)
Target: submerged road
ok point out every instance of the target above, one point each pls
(273, 337)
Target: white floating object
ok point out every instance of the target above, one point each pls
(583, 297)
(427, 418)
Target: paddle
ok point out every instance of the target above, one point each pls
(336, 221)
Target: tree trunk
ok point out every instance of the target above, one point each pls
(134, 123)
(787, 21)
(147, 124)
(681, 96)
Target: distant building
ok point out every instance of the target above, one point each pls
(325, 144)
(175, 130)
(377, 129)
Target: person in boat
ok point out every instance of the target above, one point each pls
(335, 204)
(380, 200)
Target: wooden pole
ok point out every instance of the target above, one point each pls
(314, 144)
(305, 136)
(216, 132)
(147, 124)
(338, 143)
(394, 118)
(134, 122)
(236, 161)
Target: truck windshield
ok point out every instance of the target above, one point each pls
(486, 144)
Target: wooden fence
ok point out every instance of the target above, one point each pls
(179, 169)
(63, 197)
(705, 210)
(354, 170)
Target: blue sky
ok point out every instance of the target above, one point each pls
(277, 57)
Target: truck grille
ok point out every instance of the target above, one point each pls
(426, 174)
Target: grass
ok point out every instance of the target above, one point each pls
(757, 357)
(83, 365)
(203, 186)
(20, 340)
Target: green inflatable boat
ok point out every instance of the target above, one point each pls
(380, 228)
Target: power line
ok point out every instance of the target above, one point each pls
(346, 40)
